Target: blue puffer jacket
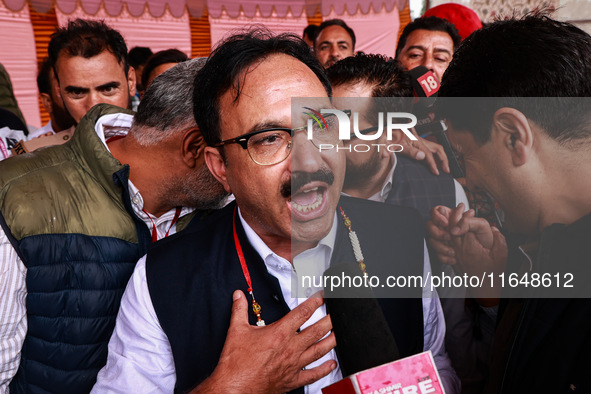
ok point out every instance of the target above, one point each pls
(68, 213)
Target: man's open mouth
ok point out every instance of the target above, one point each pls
(309, 201)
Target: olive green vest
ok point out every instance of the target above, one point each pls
(68, 214)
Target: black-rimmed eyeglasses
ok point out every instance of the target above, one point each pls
(273, 145)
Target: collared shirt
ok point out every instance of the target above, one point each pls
(384, 192)
(140, 357)
(13, 291)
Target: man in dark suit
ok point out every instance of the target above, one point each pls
(373, 84)
(526, 143)
(185, 323)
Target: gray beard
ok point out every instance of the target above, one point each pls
(202, 192)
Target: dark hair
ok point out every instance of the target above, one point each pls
(228, 62)
(535, 57)
(310, 31)
(44, 77)
(431, 23)
(159, 58)
(385, 75)
(138, 56)
(336, 22)
(165, 109)
(87, 38)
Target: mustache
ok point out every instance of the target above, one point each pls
(299, 179)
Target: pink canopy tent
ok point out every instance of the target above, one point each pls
(233, 8)
(163, 24)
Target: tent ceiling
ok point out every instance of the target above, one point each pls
(215, 7)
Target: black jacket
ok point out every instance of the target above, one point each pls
(191, 278)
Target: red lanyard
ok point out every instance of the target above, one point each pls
(256, 308)
(177, 214)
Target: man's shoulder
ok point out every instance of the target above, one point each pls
(390, 237)
(404, 164)
(567, 247)
(380, 212)
(562, 238)
(17, 167)
(84, 148)
(203, 229)
(51, 157)
(201, 250)
(382, 224)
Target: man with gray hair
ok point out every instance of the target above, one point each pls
(75, 218)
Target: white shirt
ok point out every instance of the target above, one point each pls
(140, 358)
(48, 128)
(13, 291)
(8, 137)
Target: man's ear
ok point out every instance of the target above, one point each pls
(217, 166)
(511, 128)
(398, 137)
(131, 81)
(47, 103)
(192, 147)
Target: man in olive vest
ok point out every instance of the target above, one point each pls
(76, 218)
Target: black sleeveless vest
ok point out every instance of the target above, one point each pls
(191, 278)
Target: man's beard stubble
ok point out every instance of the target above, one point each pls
(62, 119)
(358, 174)
(202, 191)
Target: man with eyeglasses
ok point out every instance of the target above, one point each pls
(215, 311)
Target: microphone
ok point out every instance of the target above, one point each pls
(367, 352)
(363, 337)
(426, 86)
(424, 82)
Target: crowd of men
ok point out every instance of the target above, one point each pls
(157, 250)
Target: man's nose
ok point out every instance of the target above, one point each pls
(428, 62)
(335, 52)
(305, 157)
(93, 99)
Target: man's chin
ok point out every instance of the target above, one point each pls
(311, 231)
(353, 182)
(330, 63)
(311, 227)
